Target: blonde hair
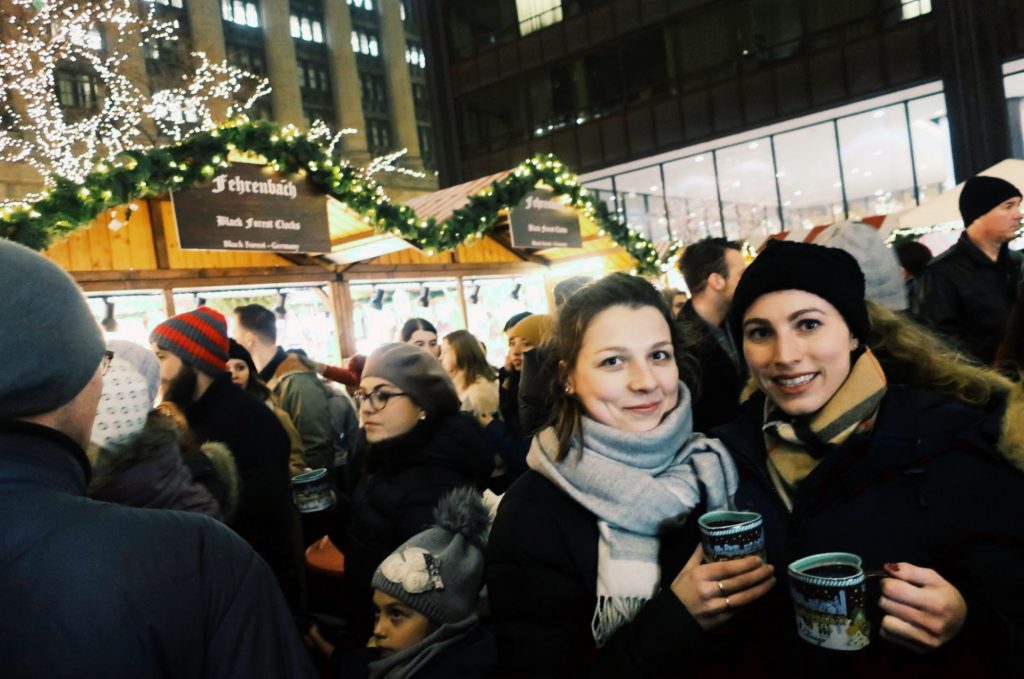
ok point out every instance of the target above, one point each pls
(914, 356)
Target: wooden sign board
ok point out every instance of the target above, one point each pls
(541, 221)
(247, 207)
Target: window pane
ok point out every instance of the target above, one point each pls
(876, 162)
(295, 27)
(318, 32)
(808, 175)
(746, 179)
(692, 198)
(933, 153)
(641, 200)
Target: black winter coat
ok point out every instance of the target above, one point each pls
(717, 400)
(542, 588)
(927, 487)
(266, 516)
(966, 297)
(393, 488)
(91, 589)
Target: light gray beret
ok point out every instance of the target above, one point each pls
(418, 374)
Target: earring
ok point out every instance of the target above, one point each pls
(568, 391)
(856, 343)
(423, 415)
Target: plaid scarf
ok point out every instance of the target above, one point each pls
(796, 445)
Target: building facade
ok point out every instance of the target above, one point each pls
(733, 117)
(352, 63)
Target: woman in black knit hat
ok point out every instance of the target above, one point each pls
(866, 435)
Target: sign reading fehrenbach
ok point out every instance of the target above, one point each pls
(247, 208)
(541, 220)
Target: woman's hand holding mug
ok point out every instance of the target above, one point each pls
(713, 592)
(922, 610)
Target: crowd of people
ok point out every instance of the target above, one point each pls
(538, 518)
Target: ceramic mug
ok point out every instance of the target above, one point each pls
(728, 535)
(830, 597)
(312, 491)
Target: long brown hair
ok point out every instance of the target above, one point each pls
(912, 355)
(563, 348)
(470, 359)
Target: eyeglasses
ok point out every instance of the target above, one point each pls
(378, 399)
(108, 357)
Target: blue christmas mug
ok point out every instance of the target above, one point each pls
(728, 535)
(311, 491)
(830, 598)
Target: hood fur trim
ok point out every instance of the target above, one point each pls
(1011, 443)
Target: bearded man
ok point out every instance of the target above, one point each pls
(193, 351)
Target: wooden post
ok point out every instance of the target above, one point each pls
(169, 302)
(341, 307)
(460, 290)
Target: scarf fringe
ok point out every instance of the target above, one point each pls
(611, 613)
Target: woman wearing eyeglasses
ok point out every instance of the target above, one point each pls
(414, 445)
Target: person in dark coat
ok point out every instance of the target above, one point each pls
(415, 445)
(966, 293)
(193, 352)
(712, 268)
(867, 436)
(591, 567)
(93, 589)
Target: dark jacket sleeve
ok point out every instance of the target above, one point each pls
(251, 629)
(535, 399)
(936, 303)
(542, 608)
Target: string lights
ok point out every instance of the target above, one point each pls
(153, 172)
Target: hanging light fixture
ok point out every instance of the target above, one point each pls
(424, 296)
(516, 289)
(378, 298)
(474, 295)
(200, 301)
(109, 322)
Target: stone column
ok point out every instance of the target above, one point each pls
(281, 65)
(400, 101)
(207, 26)
(346, 89)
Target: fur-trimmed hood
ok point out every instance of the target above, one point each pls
(149, 470)
(1011, 442)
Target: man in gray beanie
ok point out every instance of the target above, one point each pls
(966, 293)
(95, 572)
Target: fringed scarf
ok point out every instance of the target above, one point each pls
(796, 445)
(637, 484)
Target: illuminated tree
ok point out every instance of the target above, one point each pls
(70, 90)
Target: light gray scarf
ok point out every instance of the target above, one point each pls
(637, 484)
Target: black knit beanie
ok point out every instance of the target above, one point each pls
(829, 273)
(981, 194)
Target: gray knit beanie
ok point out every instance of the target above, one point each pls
(440, 571)
(418, 374)
(50, 341)
(883, 283)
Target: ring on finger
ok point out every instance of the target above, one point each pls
(721, 588)
(727, 604)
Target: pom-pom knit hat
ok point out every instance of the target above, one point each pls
(199, 338)
(440, 571)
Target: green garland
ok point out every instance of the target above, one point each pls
(68, 206)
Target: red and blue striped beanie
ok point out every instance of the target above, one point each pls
(199, 338)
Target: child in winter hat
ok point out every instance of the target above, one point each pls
(426, 594)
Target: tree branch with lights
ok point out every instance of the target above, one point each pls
(69, 205)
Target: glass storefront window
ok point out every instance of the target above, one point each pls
(746, 179)
(933, 153)
(641, 199)
(135, 316)
(490, 305)
(875, 152)
(399, 303)
(808, 174)
(692, 198)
